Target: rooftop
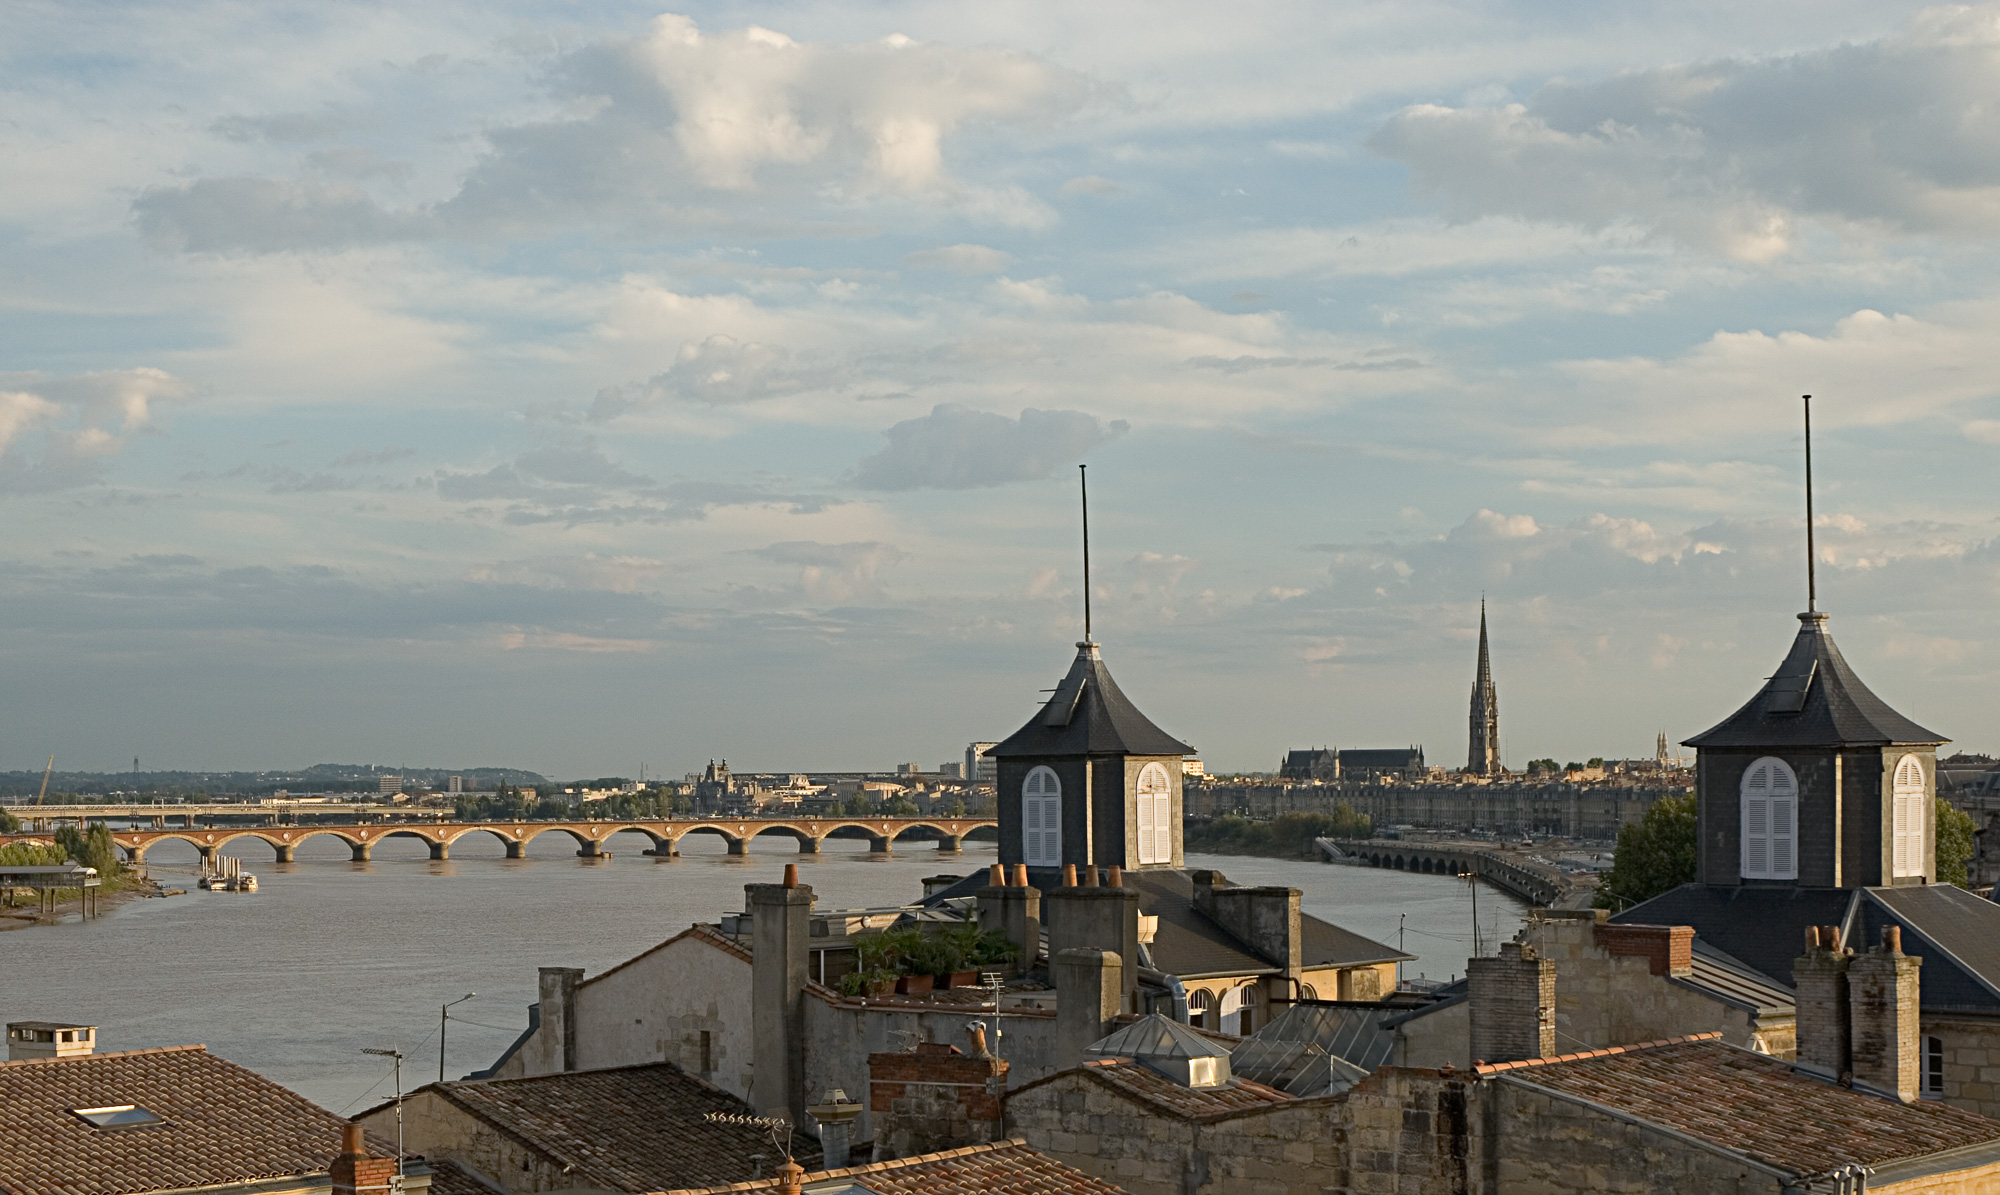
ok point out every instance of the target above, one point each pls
(1752, 1104)
(1088, 715)
(1001, 1168)
(1169, 1098)
(1814, 700)
(626, 1128)
(217, 1123)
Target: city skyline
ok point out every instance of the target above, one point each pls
(546, 385)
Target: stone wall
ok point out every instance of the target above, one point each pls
(1971, 1060)
(933, 1098)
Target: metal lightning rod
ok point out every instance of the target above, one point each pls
(1812, 585)
(1083, 486)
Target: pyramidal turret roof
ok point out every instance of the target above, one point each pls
(1088, 715)
(1814, 700)
(1155, 1037)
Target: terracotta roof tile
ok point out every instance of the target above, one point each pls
(626, 1128)
(221, 1123)
(1170, 1098)
(1753, 1104)
(1001, 1168)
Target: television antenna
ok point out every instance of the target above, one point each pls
(398, 1056)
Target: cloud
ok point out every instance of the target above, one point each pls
(574, 483)
(959, 259)
(1895, 134)
(1091, 184)
(55, 431)
(675, 128)
(362, 456)
(834, 574)
(958, 448)
(720, 371)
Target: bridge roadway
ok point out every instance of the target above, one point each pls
(187, 811)
(590, 836)
(1531, 880)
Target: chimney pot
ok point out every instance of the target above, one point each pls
(1812, 937)
(791, 875)
(996, 876)
(1090, 875)
(976, 1034)
(1115, 877)
(791, 1178)
(351, 1141)
(1831, 935)
(1020, 875)
(1069, 875)
(1892, 939)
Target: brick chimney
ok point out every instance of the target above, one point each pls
(933, 1098)
(1088, 983)
(1667, 949)
(353, 1171)
(1513, 998)
(1013, 909)
(555, 1041)
(1882, 993)
(1819, 983)
(780, 925)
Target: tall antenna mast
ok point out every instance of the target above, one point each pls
(1083, 486)
(1812, 585)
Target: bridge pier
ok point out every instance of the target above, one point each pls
(593, 850)
(440, 850)
(514, 849)
(878, 844)
(133, 855)
(739, 846)
(948, 842)
(286, 850)
(809, 846)
(206, 852)
(363, 851)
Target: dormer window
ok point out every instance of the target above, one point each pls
(1041, 818)
(1907, 820)
(1770, 802)
(1155, 815)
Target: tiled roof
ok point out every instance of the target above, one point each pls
(221, 1123)
(1170, 1098)
(626, 1128)
(1753, 1104)
(1089, 715)
(447, 1178)
(1001, 1168)
(706, 933)
(1814, 700)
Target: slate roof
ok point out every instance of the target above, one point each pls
(1000, 1168)
(222, 1123)
(1836, 709)
(1169, 1098)
(1956, 933)
(1718, 975)
(625, 1128)
(1088, 715)
(1753, 1104)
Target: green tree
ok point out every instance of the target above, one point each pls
(1954, 844)
(9, 824)
(1655, 854)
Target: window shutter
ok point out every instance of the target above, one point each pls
(1163, 827)
(1145, 803)
(1757, 821)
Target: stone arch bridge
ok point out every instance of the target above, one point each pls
(590, 836)
(1534, 882)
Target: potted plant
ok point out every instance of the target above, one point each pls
(868, 983)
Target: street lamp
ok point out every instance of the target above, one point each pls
(443, 1016)
(398, 1056)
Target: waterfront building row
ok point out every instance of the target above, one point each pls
(1583, 812)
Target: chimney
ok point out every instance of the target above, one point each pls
(1882, 1003)
(1819, 983)
(1099, 918)
(1667, 949)
(932, 1098)
(49, 1039)
(780, 922)
(1267, 920)
(1089, 987)
(836, 1129)
(353, 1171)
(1513, 998)
(791, 1178)
(555, 1041)
(1014, 910)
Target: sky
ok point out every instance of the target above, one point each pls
(583, 386)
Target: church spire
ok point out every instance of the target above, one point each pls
(1483, 756)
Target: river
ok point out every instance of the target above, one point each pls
(330, 956)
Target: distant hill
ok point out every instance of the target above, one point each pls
(68, 787)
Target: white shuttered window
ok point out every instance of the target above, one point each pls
(1906, 814)
(1155, 800)
(1041, 819)
(1770, 821)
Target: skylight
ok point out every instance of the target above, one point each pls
(119, 1116)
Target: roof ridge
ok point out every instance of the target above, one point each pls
(765, 1184)
(201, 1046)
(1494, 1068)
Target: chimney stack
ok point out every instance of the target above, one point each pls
(1513, 998)
(1097, 918)
(1013, 909)
(1882, 1003)
(353, 1171)
(1819, 982)
(1089, 995)
(780, 922)
(933, 1098)
(555, 1041)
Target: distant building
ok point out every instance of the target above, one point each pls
(387, 785)
(1313, 763)
(1355, 765)
(952, 771)
(1193, 767)
(1483, 758)
(981, 768)
(455, 785)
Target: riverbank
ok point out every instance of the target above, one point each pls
(132, 888)
(1287, 836)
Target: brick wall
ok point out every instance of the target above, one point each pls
(1513, 998)
(934, 1097)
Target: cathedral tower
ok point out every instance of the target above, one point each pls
(1483, 759)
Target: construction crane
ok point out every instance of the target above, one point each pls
(45, 780)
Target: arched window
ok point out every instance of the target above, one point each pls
(1156, 815)
(1041, 819)
(1200, 1007)
(1237, 1011)
(1906, 796)
(1770, 821)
